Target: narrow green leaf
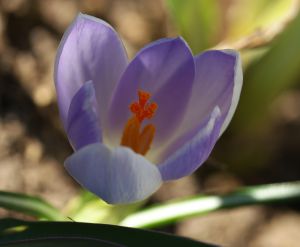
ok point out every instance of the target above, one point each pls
(29, 205)
(61, 242)
(182, 209)
(248, 17)
(275, 71)
(21, 233)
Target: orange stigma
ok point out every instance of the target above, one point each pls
(135, 138)
(142, 109)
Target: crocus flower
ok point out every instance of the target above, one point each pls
(135, 124)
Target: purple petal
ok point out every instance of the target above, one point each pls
(89, 50)
(165, 69)
(83, 124)
(218, 82)
(188, 157)
(117, 176)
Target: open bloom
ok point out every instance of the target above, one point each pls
(136, 124)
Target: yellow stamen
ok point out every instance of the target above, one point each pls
(135, 138)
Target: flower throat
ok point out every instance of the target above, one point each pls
(138, 139)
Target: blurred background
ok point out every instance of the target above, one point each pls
(262, 144)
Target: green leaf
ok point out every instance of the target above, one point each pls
(205, 23)
(275, 71)
(29, 205)
(21, 233)
(181, 209)
(197, 21)
(61, 242)
(247, 17)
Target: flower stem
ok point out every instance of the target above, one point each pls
(178, 210)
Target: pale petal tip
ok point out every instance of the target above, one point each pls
(92, 18)
(117, 176)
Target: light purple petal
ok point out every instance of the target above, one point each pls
(215, 79)
(83, 123)
(218, 82)
(90, 50)
(165, 69)
(117, 176)
(188, 157)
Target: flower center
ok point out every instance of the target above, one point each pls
(138, 139)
